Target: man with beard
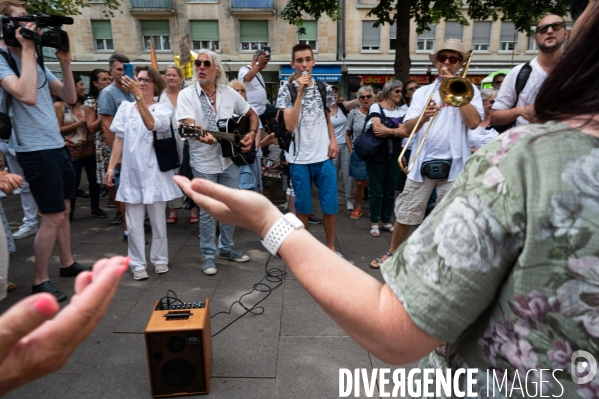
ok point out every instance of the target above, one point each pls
(512, 106)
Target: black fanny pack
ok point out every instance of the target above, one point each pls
(436, 168)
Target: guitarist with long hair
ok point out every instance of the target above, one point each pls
(202, 105)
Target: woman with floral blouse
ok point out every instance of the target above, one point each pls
(504, 274)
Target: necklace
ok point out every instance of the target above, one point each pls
(210, 97)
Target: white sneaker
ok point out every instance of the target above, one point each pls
(16, 191)
(161, 269)
(350, 206)
(24, 231)
(3, 194)
(141, 274)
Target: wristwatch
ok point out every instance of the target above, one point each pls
(279, 232)
(139, 97)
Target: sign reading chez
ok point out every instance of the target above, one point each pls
(377, 79)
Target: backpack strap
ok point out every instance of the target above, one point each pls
(10, 61)
(292, 92)
(522, 79)
(322, 88)
(343, 109)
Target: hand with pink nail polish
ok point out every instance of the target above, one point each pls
(36, 340)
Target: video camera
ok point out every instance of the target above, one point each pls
(53, 36)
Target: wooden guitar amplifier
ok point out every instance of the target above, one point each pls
(179, 349)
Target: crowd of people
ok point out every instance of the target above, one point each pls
(467, 275)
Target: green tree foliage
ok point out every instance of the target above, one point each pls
(523, 13)
(69, 7)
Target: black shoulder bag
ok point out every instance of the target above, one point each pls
(166, 152)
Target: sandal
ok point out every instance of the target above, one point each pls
(388, 227)
(194, 219)
(355, 214)
(374, 230)
(171, 219)
(376, 264)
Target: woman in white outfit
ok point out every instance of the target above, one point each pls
(142, 185)
(483, 134)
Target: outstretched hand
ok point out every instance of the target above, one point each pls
(239, 207)
(34, 343)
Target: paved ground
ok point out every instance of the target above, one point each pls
(292, 350)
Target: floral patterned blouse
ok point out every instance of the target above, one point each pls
(506, 270)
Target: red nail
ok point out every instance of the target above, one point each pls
(46, 306)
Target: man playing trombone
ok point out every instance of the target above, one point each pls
(442, 121)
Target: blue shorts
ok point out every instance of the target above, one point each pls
(51, 177)
(324, 176)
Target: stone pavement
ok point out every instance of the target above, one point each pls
(292, 350)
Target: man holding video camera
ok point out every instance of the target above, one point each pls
(38, 143)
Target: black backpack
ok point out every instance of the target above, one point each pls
(521, 81)
(5, 122)
(285, 137)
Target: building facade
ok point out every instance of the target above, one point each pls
(236, 28)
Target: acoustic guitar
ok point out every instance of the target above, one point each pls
(229, 135)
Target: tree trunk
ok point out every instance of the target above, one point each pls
(402, 41)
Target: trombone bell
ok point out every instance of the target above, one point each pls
(456, 92)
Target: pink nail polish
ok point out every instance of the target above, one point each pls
(46, 306)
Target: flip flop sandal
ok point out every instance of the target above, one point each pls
(376, 264)
(388, 227)
(171, 219)
(194, 219)
(374, 231)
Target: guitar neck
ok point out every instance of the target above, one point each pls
(202, 132)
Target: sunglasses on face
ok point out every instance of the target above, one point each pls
(240, 90)
(413, 88)
(556, 26)
(199, 63)
(452, 58)
(397, 91)
(368, 97)
(146, 81)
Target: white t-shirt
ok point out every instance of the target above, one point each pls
(480, 136)
(312, 133)
(256, 91)
(339, 120)
(206, 158)
(507, 92)
(447, 139)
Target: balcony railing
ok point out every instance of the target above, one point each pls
(252, 4)
(158, 5)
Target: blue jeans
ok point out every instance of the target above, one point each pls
(228, 178)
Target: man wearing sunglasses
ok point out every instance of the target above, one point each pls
(514, 105)
(446, 148)
(202, 104)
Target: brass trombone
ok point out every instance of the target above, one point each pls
(455, 92)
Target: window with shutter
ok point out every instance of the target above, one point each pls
(311, 36)
(426, 40)
(159, 32)
(205, 35)
(253, 35)
(371, 37)
(102, 33)
(508, 39)
(481, 36)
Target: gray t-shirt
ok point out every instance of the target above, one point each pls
(35, 127)
(110, 99)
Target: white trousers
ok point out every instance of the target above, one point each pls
(136, 214)
(27, 201)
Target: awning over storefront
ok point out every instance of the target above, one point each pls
(326, 73)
